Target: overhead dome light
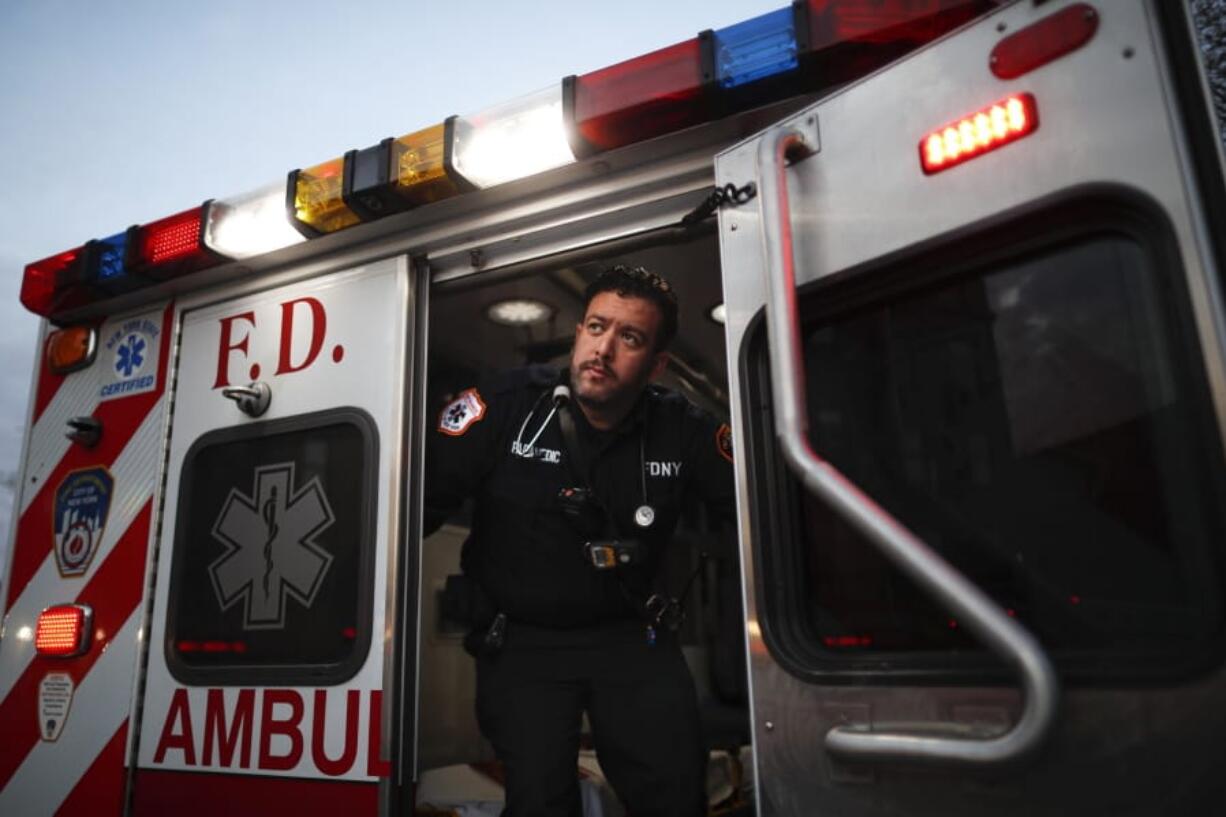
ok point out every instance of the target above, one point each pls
(717, 313)
(519, 312)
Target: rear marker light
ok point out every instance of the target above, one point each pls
(983, 131)
(171, 246)
(250, 224)
(69, 350)
(315, 199)
(1042, 42)
(63, 631)
(519, 138)
(421, 165)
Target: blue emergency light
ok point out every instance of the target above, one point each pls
(756, 49)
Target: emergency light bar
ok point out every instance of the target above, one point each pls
(170, 247)
(421, 166)
(104, 265)
(315, 199)
(808, 46)
(993, 127)
(249, 224)
(510, 141)
(55, 284)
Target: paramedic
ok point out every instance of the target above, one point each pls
(578, 480)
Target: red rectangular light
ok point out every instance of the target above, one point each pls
(170, 246)
(848, 39)
(63, 631)
(650, 95)
(55, 283)
(985, 130)
(887, 21)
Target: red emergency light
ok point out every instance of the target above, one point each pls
(56, 283)
(63, 631)
(171, 246)
(985, 130)
(654, 94)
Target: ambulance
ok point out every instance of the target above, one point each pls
(951, 269)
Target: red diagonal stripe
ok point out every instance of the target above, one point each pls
(113, 593)
(186, 794)
(120, 419)
(100, 791)
(48, 385)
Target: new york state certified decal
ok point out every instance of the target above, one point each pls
(271, 553)
(131, 352)
(82, 502)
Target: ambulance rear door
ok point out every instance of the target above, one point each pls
(270, 634)
(976, 315)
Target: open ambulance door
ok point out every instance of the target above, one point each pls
(271, 654)
(977, 322)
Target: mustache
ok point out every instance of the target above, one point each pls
(597, 366)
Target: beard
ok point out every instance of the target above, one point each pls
(611, 393)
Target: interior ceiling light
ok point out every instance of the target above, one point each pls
(519, 312)
(718, 313)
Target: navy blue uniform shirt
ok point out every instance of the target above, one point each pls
(523, 551)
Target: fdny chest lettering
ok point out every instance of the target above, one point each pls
(666, 468)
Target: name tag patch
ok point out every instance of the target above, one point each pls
(536, 452)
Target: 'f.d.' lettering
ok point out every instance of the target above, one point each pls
(319, 325)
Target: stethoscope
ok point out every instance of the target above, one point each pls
(644, 514)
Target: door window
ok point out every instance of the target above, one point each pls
(1037, 420)
(270, 575)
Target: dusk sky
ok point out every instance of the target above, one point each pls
(119, 112)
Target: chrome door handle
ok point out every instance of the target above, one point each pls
(252, 399)
(973, 608)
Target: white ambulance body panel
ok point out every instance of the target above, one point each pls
(336, 342)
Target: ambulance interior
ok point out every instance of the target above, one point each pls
(465, 340)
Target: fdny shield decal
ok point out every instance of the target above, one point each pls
(82, 502)
(461, 413)
(723, 441)
(271, 553)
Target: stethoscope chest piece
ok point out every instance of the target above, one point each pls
(644, 516)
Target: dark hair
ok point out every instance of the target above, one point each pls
(638, 282)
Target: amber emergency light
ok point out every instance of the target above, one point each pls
(972, 136)
(316, 199)
(63, 631)
(71, 349)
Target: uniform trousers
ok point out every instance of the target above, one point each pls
(641, 704)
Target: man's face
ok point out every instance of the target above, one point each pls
(615, 350)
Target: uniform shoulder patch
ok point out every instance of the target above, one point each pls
(459, 415)
(723, 441)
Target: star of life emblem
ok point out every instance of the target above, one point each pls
(458, 415)
(271, 553)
